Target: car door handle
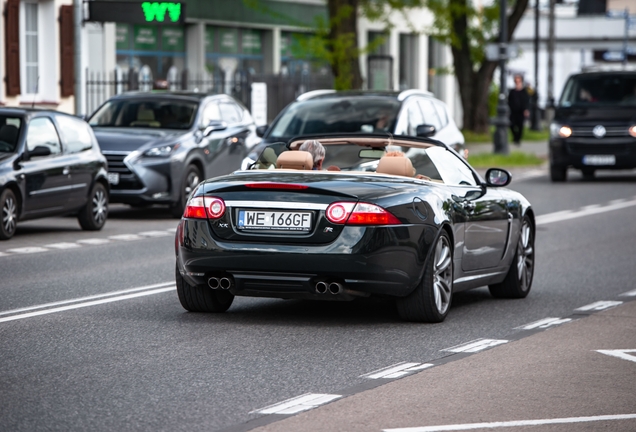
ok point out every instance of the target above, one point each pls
(468, 205)
(66, 171)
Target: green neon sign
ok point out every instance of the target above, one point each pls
(156, 11)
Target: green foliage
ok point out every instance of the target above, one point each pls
(514, 159)
(493, 100)
(528, 135)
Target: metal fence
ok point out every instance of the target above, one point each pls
(281, 89)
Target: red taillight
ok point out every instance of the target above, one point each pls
(270, 185)
(359, 214)
(197, 209)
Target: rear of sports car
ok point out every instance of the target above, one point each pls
(304, 235)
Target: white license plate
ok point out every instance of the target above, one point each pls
(599, 160)
(274, 220)
(113, 178)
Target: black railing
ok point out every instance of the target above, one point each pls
(281, 89)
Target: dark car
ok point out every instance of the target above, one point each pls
(160, 145)
(595, 124)
(422, 226)
(408, 113)
(50, 164)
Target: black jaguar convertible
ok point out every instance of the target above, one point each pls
(403, 218)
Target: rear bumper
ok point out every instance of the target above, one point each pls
(571, 152)
(372, 260)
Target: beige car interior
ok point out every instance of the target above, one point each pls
(146, 117)
(396, 165)
(298, 160)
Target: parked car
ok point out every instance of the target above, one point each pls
(594, 125)
(160, 145)
(50, 164)
(407, 113)
(421, 227)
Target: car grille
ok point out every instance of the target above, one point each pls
(127, 179)
(597, 149)
(610, 131)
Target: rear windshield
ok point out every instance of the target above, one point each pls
(605, 89)
(355, 114)
(164, 114)
(9, 133)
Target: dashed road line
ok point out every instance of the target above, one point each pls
(300, 403)
(622, 354)
(155, 233)
(63, 245)
(476, 345)
(27, 250)
(584, 211)
(514, 423)
(631, 293)
(125, 237)
(599, 305)
(397, 371)
(544, 323)
(94, 241)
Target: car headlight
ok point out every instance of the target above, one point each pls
(632, 131)
(161, 151)
(560, 131)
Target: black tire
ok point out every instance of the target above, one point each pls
(431, 300)
(190, 180)
(518, 281)
(92, 217)
(588, 174)
(202, 299)
(558, 173)
(8, 214)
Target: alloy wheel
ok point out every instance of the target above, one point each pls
(100, 206)
(192, 180)
(442, 275)
(525, 257)
(9, 214)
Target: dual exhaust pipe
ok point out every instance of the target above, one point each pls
(334, 288)
(222, 283)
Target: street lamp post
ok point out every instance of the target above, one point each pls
(502, 122)
(535, 115)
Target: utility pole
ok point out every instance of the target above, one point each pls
(550, 104)
(500, 140)
(78, 19)
(535, 120)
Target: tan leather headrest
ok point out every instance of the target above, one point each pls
(299, 160)
(396, 165)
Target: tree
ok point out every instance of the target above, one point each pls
(467, 30)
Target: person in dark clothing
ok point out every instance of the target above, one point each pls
(519, 102)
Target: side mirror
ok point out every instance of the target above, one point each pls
(498, 177)
(425, 130)
(260, 130)
(214, 126)
(39, 151)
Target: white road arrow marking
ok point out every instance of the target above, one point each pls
(599, 305)
(476, 345)
(297, 404)
(544, 323)
(622, 354)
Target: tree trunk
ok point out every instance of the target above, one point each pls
(343, 43)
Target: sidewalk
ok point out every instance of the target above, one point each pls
(551, 380)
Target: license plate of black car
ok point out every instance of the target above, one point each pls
(113, 178)
(599, 160)
(274, 220)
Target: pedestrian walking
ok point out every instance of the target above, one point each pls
(519, 102)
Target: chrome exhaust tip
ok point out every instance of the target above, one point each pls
(335, 288)
(226, 283)
(213, 283)
(321, 287)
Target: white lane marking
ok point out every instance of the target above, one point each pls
(631, 293)
(514, 423)
(82, 299)
(599, 305)
(476, 345)
(63, 245)
(382, 373)
(297, 404)
(154, 233)
(94, 241)
(86, 304)
(3, 254)
(544, 323)
(172, 230)
(622, 354)
(585, 211)
(125, 237)
(27, 250)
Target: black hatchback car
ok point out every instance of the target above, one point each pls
(50, 164)
(160, 145)
(595, 124)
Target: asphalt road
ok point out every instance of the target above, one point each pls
(92, 336)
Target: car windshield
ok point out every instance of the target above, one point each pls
(162, 113)
(605, 89)
(366, 114)
(9, 133)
